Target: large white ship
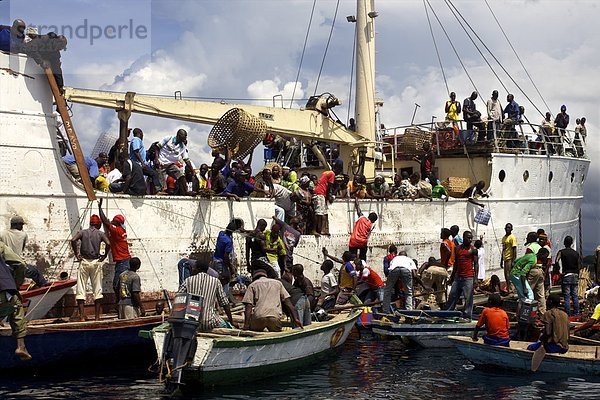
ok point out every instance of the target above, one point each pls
(529, 190)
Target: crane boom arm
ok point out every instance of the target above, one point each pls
(301, 124)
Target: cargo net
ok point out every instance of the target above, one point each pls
(239, 131)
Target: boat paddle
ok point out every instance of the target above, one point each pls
(537, 358)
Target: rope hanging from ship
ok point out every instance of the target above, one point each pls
(61, 253)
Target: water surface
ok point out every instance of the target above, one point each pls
(365, 369)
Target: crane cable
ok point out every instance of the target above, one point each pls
(337, 6)
(312, 12)
(495, 58)
(517, 55)
(436, 48)
(453, 47)
(351, 76)
(454, 12)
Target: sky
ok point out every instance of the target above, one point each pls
(251, 49)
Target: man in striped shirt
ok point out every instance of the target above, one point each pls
(210, 288)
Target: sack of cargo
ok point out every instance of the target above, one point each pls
(456, 186)
(483, 216)
(411, 143)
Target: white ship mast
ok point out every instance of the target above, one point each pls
(365, 69)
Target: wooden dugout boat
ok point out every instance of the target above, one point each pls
(429, 329)
(579, 360)
(40, 300)
(77, 343)
(225, 356)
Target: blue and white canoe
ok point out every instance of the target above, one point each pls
(579, 360)
(77, 344)
(429, 329)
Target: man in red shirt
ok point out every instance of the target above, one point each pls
(496, 323)
(370, 280)
(464, 275)
(118, 243)
(322, 193)
(361, 232)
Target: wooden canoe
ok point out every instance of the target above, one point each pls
(579, 360)
(77, 343)
(231, 356)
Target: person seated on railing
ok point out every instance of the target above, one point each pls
(561, 122)
(173, 149)
(132, 181)
(438, 191)
(473, 119)
(423, 188)
(289, 178)
(546, 132)
(341, 183)
(239, 187)
(453, 111)
(45, 50)
(263, 182)
(102, 161)
(12, 37)
(202, 178)
(408, 190)
(218, 181)
(357, 188)
(379, 189)
(396, 188)
(304, 208)
(90, 163)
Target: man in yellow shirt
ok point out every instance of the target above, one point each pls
(509, 254)
(587, 329)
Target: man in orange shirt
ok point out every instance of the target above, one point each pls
(361, 232)
(496, 323)
(321, 195)
(446, 249)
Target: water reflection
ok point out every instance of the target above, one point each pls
(366, 369)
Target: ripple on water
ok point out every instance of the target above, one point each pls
(366, 369)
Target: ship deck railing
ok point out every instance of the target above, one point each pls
(520, 138)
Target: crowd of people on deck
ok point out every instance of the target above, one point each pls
(502, 122)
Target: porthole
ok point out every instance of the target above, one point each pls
(525, 175)
(572, 176)
(582, 178)
(550, 176)
(502, 176)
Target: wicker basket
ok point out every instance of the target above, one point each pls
(240, 131)
(456, 186)
(411, 143)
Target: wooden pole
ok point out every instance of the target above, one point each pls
(68, 124)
